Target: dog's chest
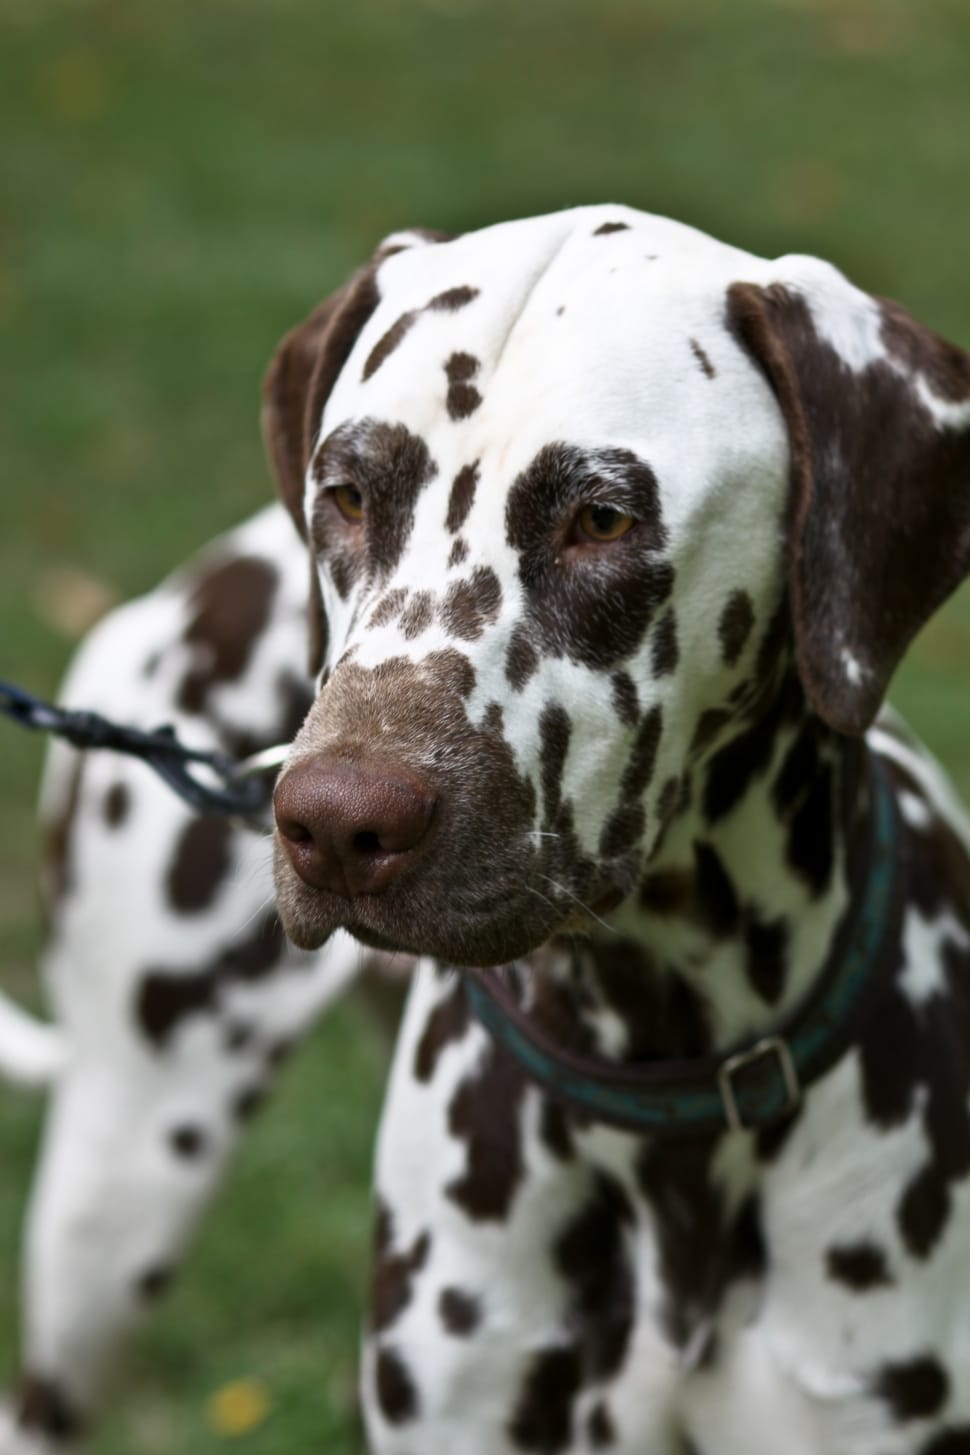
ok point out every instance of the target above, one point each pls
(551, 1285)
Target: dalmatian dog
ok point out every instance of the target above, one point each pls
(176, 995)
(615, 537)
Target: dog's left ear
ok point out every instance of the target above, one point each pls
(878, 415)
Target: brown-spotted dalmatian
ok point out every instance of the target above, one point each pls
(175, 993)
(616, 537)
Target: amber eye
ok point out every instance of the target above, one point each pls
(603, 523)
(349, 502)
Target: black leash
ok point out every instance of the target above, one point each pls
(244, 792)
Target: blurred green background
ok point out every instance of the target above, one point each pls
(179, 183)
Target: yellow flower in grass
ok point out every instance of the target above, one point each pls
(237, 1408)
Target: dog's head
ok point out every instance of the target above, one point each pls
(575, 489)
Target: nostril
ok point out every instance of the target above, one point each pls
(366, 842)
(295, 833)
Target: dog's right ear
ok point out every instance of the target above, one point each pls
(297, 384)
(301, 374)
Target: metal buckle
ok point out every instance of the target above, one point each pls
(770, 1045)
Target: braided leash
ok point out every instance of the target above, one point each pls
(244, 792)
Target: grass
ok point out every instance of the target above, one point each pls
(181, 182)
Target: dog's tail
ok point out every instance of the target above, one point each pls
(31, 1050)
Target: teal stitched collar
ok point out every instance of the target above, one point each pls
(755, 1083)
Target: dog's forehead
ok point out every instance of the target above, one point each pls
(599, 326)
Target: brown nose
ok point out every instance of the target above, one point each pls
(351, 827)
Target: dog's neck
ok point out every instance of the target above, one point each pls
(737, 911)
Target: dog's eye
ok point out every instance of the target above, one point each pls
(349, 502)
(603, 523)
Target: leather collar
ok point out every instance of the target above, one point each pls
(754, 1083)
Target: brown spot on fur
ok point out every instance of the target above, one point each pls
(462, 497)
(859, 1267)
(188, 1142)
(117, 805)
(664, 651)
(470, 605)
(766, 946)
(594, 611)
(555, 1131)
(396, 1392)
(709, 726)
(954, 1441)
(745, 757)
(389, 607)
(702, 359)
(924, 1210)
(622, 830)
(390, 466)
(485, 1113)
(667, 891)
(662, 1015)
(388, 342)
(447, 302)
(734, 627)
(716, 901)
(913, 1389)
(153, 1283)
(810, 843)
(555, 730)
(418, 615)
(626, 703)
(453, 298)
(460, 1312)
(521, 659)
(638, 772)
(229, 608)
(166, 997)
(202, 861)
(592, 1257)
(627, 823)
(543, 1417)
(600, 1427)
(394, 1273)
(44, 1405)
(458, 552)
(446, 1024)
(669, 800)
(691, 1233)
(605, 228)
(463, 398)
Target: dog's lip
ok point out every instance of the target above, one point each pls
(382, 925)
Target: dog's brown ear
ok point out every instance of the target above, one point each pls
(301, 374)
(878, 415)
(297, 384)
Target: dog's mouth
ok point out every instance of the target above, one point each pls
(506, 922)
(486, 934)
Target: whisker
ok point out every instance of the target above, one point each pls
(576, 900)
(268, 902)
(539, 894)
